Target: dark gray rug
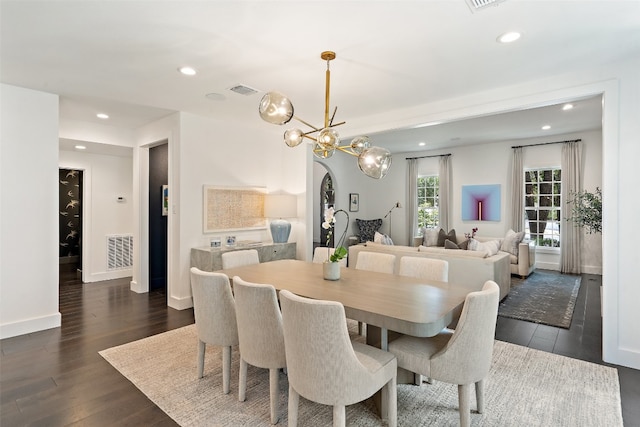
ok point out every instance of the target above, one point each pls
(545, 297)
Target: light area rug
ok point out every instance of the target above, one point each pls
(526, 387)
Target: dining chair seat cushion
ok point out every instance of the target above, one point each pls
(411, 352)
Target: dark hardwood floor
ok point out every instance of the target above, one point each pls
(57, 378)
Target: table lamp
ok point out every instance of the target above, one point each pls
(278, 207)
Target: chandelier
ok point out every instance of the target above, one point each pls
(277, 109)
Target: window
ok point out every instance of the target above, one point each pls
(428, 197)
(543, 206)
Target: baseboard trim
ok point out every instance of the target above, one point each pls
(28, 326)
(108, 275)
(180, 303)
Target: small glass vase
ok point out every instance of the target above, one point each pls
(331, 270)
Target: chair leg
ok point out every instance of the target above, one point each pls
(242, 381)
(480, 396)
(463, 404)
(362, 328)
(226, 369)
(417, 379)
(274, 376)
(294, 397)
(392, 405)
(339, 416)
(201, 350)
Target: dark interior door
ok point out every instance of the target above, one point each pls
(158, 177)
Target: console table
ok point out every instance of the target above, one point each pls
(210, 259)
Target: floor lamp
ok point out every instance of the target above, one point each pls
(396, 205)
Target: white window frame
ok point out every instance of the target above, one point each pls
(549, 240)
(436, 200)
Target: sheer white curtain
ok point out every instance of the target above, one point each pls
(412, 199)
(517, 190)
(445, 183)
(570, 234)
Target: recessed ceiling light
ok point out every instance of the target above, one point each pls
(187, 71)
(546, 127)
(102, 116)
(508, 37)
(422, 144)
(80, 147)
(213, 96)
(567, 107)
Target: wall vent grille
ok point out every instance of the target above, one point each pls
(243, 90)
(475, 5)
(119, 251)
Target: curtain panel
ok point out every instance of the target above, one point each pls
(570, 233)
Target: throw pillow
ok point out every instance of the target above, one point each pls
(511, 242)
(448, 244)
(489, 248)
(430, 236)
(367, 228)
(464, 245)
(442, 236)
(377, 238)
(386, 240)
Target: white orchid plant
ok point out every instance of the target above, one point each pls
(329, 224)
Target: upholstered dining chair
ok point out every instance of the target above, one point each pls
(460, 357)
(374, 261)
(215, 314)
(321, 254)
(424, 268)
(239, 258)
(260, 334)
(324, 366)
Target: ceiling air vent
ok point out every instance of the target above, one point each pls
(475, 5)
(243, 90)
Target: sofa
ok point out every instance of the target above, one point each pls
(522, 254)
(467, 269)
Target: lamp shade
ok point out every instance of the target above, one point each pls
(280, 206)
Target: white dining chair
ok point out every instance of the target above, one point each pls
(321, 254)
(374, 261)
(215, 315)
(461, 357)
(325, 366)
(378, 262)
(261, 336)
(234, 259)
(424, 268)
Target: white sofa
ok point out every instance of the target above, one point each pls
(468, 269)
(524, 263)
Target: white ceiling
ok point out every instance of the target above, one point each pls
(121, 57)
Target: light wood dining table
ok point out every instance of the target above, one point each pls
(390, 302)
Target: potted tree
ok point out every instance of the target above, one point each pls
(586, 210)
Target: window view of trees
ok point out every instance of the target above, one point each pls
(543, 206)
(428, 187)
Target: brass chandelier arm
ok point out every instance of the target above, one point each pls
(346, 149)
(315, 129)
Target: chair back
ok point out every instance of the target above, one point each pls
(467, 356)
(322, 365)
(424, 268)
(321, 254)
(239, 258)
(259, 324)
(374, 261)
(214, 308)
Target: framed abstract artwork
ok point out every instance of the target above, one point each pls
(481, 202)
(233, 208)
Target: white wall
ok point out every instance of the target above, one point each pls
(28, 206)
(105, 179)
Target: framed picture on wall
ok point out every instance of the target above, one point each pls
(354, 202)
(165, 200)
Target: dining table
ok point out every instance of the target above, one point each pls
(391, 305)
(389, 302)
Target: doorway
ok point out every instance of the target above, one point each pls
(327, 200)
(158, 213)
(70, 201)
